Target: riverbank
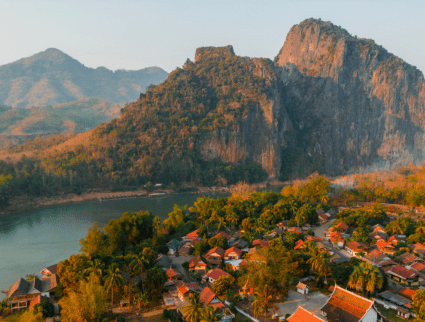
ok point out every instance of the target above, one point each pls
(23, 203)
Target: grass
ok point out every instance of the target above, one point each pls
(391, 315)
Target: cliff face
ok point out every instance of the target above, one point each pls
(262, 133)
(353, 105)
(338, 104)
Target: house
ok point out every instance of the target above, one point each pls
(173, 274)
(173, 246)
(49, 271)
(385, 247)
(302, 315)
(376, 256)
(407, 293)
(378, 235)
(408, 258)
(283, 225)
(355, 247)
(222, 234)
(23, 292)
(215, 255)
(394, 239)
(214, 275)
(276, 232)
(418, 267)
(397, 302)
(344, 305)
(299, 244)
(323, 218)
(232, 253)
(234, 264)
(401, 274)
(185, 289)
(302, 288)
(208, 297)
(377, 227)
(259, 243)
(240, 243)
(337, 239)
(295, 230)
(191, 236)
(340, 227)
(199, 264)
(340, 260)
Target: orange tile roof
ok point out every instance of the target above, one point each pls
(207, 295)
(193, 234)
(295, 230)
(418, 266)
(182, 289)
(381, 243)
(222, 233)
(171, 272)
(216, 273)
(342, 225)
(407, 292)
(218, 250)
(198, 260)
(402, 272)
(233, 250)
(348, 302)
(262, 243)
(419, 245)
(299, 244)
(302, 315)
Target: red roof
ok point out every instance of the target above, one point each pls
(350, 302)
(299, 244)
(218, 250)
(295, 230)
(355, 245)
(197, 261)
(171, 272)
(193, 286)
(419, 245)
(407, 292)
(233, 250)
(262, 243)
(216, 273)
(407, 258)
(403, 272)
(222, 233)
(381, 244)
(418, 266)
(342, 226)
(182, 289)
(207, 295)
(323, 216)
(192, 235)
(302, 315)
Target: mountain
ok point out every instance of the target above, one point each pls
(329, 102)
(20, 124)
(52, 77)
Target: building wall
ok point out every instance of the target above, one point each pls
(370, 316)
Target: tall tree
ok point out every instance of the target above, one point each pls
(265, 301)
(192, 312)
(95, 272)
(320, 262)
(366, 278)
(113, 281)
(210, 314)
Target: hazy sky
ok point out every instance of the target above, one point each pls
(134, 34)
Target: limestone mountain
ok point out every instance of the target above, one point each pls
(329, 102)
(52, 77)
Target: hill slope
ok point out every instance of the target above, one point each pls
(20, 124)
(52, 77)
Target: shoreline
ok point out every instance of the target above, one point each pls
(23, 203)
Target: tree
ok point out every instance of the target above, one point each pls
(222, 284)
(264, 301)
(46, 308)
(420, 228)
(88, 304)
(154, 283)
(210, 314)
(397, 226)
(72, 271)
(138, 263)
(320, 262)
(95, 271)
(192, 312)
(113, 281)
(95, 244)
(418, 304)
(366, 278)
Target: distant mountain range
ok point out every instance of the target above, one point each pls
(20, 124)
(52, 77)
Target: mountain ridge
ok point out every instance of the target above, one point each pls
(52, 77)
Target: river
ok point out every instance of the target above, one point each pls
(34, 239)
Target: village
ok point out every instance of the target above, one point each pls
(327, 267)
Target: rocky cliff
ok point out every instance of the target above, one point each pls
(353, 105)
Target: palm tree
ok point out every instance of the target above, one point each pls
(366, 277)
(138, 263)
(94, 271)
(113, 280)
(232, 218)
(141, 300)
(397, 226)
(320, 262)
(264, 301)
(310, 247)
(292, 205)
(209, 314)
(300, 217)
(192, 311)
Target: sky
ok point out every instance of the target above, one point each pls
(131, 34)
